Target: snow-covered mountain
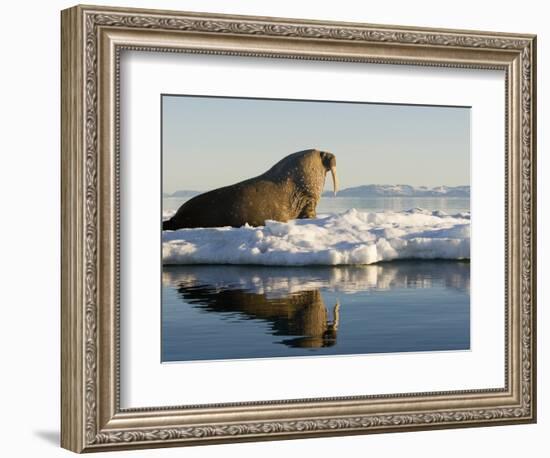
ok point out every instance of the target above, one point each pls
(402, 190)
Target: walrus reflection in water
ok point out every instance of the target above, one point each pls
(289, 190)
(302, 314)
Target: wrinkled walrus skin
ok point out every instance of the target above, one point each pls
(289, 190)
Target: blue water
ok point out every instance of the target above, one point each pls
(229, 312)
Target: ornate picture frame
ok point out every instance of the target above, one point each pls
(92, 41)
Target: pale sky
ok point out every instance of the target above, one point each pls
(208, 142)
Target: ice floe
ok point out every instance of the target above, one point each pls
(349, 238)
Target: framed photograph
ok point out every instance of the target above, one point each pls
(278, 228)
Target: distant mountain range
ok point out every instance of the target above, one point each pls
(375, 190)
(402, 190)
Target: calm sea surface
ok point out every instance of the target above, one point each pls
(372, 204)
(222, 312)
(230, 312)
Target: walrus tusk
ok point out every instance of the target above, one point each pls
(335, 317)
(334, 179)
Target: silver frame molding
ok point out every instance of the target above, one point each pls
(92, 40)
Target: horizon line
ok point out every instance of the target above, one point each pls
(357, 186)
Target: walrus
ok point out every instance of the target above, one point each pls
(302, 314)
(289, 190)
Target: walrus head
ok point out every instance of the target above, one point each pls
(313, 323)
(306, 171)
(329, 163)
